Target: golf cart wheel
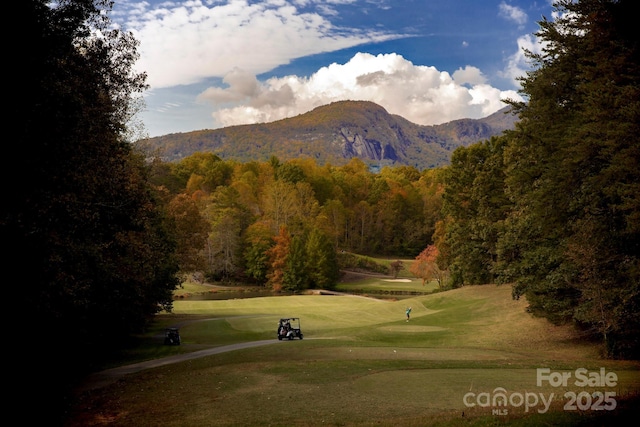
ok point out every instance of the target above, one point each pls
(301, 336)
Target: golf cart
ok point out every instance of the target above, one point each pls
(289, 328)
(172, 336)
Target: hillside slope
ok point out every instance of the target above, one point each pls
(335, 133)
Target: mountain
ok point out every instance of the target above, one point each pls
(335, 133)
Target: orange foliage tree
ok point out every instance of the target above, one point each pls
(426, 267)
(278, 255)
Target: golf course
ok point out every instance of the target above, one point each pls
(471, 356)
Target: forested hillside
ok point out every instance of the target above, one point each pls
(334, 134)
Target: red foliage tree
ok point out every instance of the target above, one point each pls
(425, 266)
(278, 255)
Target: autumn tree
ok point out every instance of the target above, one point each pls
(278, 255)
(203, 171)
(362, 219)
(228, 219)
(333, 218)
(223, 246)
(279, 203)
(191, 230)
(426, 267)
(430, 186)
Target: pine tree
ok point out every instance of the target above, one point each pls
(572, 240)
(321, 261)
(476, 206)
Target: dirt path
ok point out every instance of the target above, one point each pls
(109, 376)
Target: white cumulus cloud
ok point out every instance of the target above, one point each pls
(512, 13)
(186, 42)
(518, 64)
(421, 94)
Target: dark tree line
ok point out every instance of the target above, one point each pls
(554, 205)
(87, 249)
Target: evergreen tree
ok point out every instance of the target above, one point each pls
(572, 240)
(321, 261)
(296, 277)
(258, 241)
(476, 205)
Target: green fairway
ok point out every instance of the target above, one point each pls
(361, 363)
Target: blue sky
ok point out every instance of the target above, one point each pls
(215, 63)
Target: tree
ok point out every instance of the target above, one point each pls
(256, 254)
(223, 245)
(191, 231)
(362, 218)
(571, 242)
(396, 267)
(296, 275)
(279, 203)
(228, 218)
(321, 261)
(476, 205)
(278, 255)
(426, 267)
(87, 225)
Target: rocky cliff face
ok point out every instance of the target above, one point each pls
(354, 145)
(336, 133)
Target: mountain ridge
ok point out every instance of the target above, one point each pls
(335, 133)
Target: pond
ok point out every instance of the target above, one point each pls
(232, 294)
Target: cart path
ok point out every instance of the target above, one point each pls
(109, 376)
(104, 378)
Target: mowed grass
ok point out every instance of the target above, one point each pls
(361, 363)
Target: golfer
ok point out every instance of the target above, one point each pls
(408, 313)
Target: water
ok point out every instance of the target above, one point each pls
(231, 294)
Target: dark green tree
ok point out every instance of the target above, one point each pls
(571, 243)
(321, 261)
(296, 275)
(89, 254)
(258, 241)
(476, 205)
